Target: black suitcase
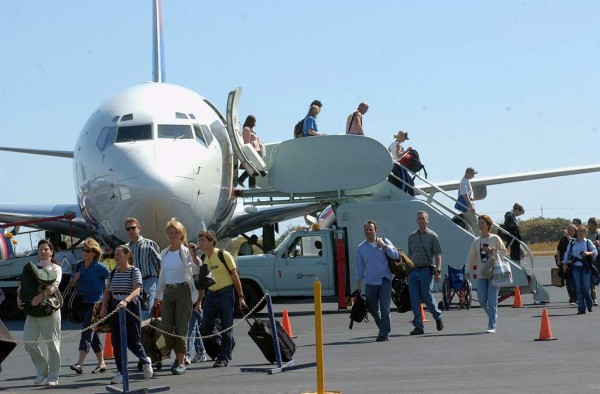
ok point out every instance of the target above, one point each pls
(260, 332)
(212, 345)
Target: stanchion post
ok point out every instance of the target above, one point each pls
(274, 332)
(123, 344)
(319, 338)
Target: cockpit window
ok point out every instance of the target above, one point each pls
(199, 135)
(207, 134)
(106, 138)
(134, 133)
(175, 131)
(180, 115)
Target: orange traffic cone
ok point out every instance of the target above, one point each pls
(545, 330)
(286, 324)
(423, 315)
(518, 303)
(108, 349)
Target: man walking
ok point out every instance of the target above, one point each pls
(423, 248)
(354, 122)
(220, 298)
(146, 256)
(372, 265)
(466, 191)
(512, 226)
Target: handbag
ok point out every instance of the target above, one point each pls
(556, 278)
(401, 266)
(501, 273)
(96, 317)
(73, 303)
(461, 204)
(488, 268)
(204, 279)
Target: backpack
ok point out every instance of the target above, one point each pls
(298, 132)
(221, 257)
(359, 309)
(401, 295)
(412, 161)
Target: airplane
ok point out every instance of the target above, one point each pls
(155, 151)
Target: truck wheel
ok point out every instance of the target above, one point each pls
(252, 297)
(9, 309)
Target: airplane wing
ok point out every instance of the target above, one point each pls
(256, 217)
(40, 152)
(480, 184)
(20, 213)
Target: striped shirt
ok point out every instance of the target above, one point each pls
(122, 282)
(146, 256)
(422, 247)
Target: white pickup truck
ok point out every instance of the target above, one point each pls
(291, 268)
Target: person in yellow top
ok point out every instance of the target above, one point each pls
(219, 299)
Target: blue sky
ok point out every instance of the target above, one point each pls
(506, 86)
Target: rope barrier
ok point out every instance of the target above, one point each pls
(94, 325)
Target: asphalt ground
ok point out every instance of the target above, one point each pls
(461, 358)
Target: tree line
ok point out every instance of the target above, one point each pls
(537, 230)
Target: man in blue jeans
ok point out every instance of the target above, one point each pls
(372, 265)
(423, 248)
(219, 299)
(194, 342)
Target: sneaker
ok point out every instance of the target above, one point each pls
(200, 358)
(52, 383)
(581, 312)
(117, 379)
(178, 370)
(148, 372)
(595, 303)
(382, 339)
(417, 331)
(219, 364)
(187, 360)
(490, 330)
(77, 368)
(439, 324)
(40, 380)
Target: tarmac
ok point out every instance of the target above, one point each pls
(461, 358)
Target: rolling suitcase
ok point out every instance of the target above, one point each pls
(260, 332)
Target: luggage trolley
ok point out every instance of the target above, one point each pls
(456, 284)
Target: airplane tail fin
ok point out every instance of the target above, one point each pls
(158, 71)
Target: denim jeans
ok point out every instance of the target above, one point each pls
(581, 277)
(194, 340)
(89, 338)
(149, 288)
(220, 303)
(420, 287)
(379, 298)
(133, 328)
(488, 299)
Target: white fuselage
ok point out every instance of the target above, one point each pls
(154, 151)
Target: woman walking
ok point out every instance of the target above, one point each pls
(484, 248)
(176, 290)
(122, 291)
(90, 279)
(577, 259)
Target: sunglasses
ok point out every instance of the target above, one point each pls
(88, 250)
(130, 228)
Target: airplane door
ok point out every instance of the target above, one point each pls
(248, 157)
(301, 265)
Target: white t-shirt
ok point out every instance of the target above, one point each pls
(392, 148)
(465, 188)
(173, 268)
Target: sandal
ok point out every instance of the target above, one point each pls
(99, 369)
(77, 368)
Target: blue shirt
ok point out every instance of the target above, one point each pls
(574, 251)
(309, 123)
(91, 281)
(372, 263)
(146, 256)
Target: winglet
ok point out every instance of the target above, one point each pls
(158, 71)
